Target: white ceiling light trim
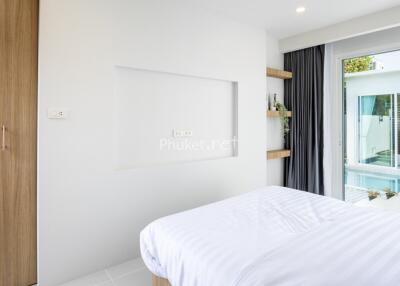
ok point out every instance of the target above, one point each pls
(300, 10)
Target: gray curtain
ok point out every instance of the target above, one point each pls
(304, 96)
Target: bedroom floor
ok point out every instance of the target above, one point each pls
(130, 273)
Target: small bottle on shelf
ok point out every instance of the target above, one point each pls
(269, 102)
(274, 105)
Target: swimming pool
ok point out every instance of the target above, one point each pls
(369, 180)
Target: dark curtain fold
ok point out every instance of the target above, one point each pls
(304, 96)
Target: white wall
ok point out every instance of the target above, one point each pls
(171, 103)
(90, 214)
(274, 133)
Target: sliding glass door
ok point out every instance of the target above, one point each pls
(371, 88)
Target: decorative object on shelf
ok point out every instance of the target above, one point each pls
(284, 115)
(274, 104)
(273, 107)
(389, 193)
(373, 195)
(269, 102)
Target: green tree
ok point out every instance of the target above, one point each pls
(358, 64)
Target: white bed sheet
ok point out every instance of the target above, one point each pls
(274, 236)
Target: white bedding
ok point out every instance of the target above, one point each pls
(275, 236)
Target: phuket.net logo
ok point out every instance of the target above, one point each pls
(179, 144)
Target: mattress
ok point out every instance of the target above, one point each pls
(275, 236)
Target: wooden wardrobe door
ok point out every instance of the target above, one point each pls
(18, 114)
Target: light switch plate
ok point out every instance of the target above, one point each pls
(182, 133)
(57, 113)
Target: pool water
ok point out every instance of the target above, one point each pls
(369, 180)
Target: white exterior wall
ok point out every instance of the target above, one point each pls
(381, 83)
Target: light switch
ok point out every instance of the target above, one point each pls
(57, 113)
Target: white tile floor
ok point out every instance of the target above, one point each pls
(131, 273)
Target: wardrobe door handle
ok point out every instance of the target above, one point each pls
(3, 138)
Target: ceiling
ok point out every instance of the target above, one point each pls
(279, 17)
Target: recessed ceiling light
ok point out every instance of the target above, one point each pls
(300, 10)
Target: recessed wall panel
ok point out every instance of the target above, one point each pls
(164, 118)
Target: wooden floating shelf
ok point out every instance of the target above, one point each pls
(271, 113)
(276, 154)
(271, 72)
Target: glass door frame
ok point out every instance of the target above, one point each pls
(335, 77)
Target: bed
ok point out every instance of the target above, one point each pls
(274, 236)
